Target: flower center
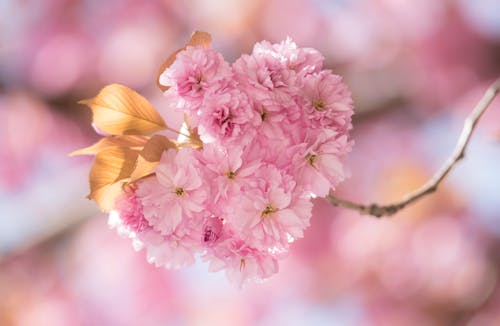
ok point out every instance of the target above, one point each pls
(263, 116)
(226, 119)
(268, 210)
(319, 105)
(210, 235)
(231, 175)
(179, 192)
(311, 158)
(199, 80)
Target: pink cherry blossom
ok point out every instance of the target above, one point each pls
(194, 71)
(319, 167)
(250, 265)
(265, 79)
(175, 193)
(130, 209)
(274, 212)
(241, 262)
(175, 250)
(172, 251)
(227, 116)
(228, 171)
(281, 119)
(301, 60)
(328, 102)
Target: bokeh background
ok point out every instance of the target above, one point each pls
(415, 69)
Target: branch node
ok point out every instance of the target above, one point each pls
(432, 189)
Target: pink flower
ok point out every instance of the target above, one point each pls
(265, 77)
(227, 116)
(228, 170)
(172, 251)
(279, 120)
(328, 101)
(175, 194)
(273, 213)
(130, 209)
(303, 61)
(241, 262)
(250, 71)
(194, 71)
(319, 167)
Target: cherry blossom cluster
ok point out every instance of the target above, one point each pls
(275, 132)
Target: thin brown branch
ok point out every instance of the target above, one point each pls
(432, 184)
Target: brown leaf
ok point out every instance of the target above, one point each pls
(111, 168)
(197, 38)
(200, 38)
(129, 141)
(105, 197)
(118, 110)
(150, 155)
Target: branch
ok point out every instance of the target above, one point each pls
(431, 185)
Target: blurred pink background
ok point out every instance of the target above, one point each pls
(415, 69)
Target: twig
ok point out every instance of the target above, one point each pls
(431, 185)
(178, 132)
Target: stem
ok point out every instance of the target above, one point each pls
(178, 132)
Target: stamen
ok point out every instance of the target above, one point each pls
(268, 210)
(179, 192)
(319, 106)
(242, 264)
(311, 158)
(199, 86)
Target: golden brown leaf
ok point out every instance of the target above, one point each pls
(118, 110)
(200, 38)
(105, 196)
(129, 141)
(112, 166)
(197, 38)
(150, 156)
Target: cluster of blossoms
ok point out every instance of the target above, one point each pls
(274, 128)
